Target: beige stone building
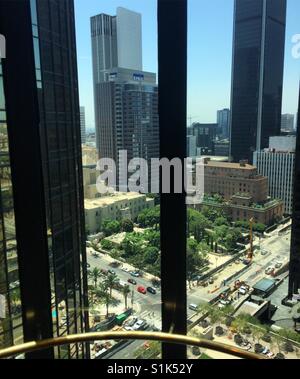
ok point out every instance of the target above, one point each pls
(118, 206)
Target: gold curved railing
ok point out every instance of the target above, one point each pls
(147, 336)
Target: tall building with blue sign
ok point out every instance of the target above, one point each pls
(126, 98)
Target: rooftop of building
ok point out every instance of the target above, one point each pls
(229, 165)
(111, 199)
(264, 285)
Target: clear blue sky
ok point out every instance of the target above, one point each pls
(209, 57)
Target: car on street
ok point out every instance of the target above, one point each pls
(193, 307)
(131, 281)
(269, 270)
(136, 274)
(140, 325)
(112, 272)
(129, 324)
(151, 290)
(125, 269)
(142, 290)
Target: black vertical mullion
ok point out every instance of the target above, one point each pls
(22, 108)
(172, 67)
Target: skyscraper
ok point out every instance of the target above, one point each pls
(294, 277)
(82, 125)
(287, 122)
(277, 163)
(257, 75)
(49, 277)
(126, 98)
(223, 120)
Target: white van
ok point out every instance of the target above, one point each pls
(193, 307)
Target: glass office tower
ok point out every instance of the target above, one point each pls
(257, 75)
(294, 277)
(53, 33)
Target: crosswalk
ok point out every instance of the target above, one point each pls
(152, 318)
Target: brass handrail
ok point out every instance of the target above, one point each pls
(161, 337)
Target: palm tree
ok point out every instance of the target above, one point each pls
(126, 291)
(94, 274)
(110, 282)
(108, 301)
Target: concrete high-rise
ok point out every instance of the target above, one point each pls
(126, 98)
(257, 75)
(116, 42)
(277, 163)
(287, 122)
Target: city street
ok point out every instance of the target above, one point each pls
(277, 249)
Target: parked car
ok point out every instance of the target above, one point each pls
(131, 281)
(125, 269)
(223, 303)
(193, 307)
(278, 264)
(142, 290)
(243, 290)
(264, 252)
(151, 290)
(112, 272)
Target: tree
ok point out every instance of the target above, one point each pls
(221, 221)
(110, 282)
(197, 223)
(111, 227)
(150, 255)
(194, 260)
(127, 226)
(149, 218)
(126, 291)
(94, 274)
(108, 301)
(107, 245)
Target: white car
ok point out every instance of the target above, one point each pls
(269, 270)
(125, 269)
(138, 324)
(243, 290)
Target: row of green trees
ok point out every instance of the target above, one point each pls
(101, 291)
(213, 226)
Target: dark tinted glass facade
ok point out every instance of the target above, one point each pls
(61, 152)
(55, 68)
(258, 61)
(10, 301)
(294, 278)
